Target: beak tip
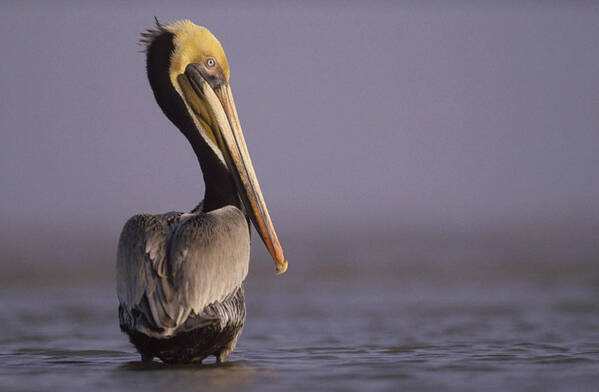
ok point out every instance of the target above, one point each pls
(281, 268)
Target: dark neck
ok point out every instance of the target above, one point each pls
(220, 187)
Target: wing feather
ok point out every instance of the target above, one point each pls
(141, 251)
(209, 256)
(169, 266)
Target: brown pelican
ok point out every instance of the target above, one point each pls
(180, 275)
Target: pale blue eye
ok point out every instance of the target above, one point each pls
(210, 62)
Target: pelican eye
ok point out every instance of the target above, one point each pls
(210, 62)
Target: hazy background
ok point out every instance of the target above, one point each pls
(421, 142)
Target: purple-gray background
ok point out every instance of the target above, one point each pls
(443, 130)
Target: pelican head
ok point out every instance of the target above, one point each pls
(189, 74)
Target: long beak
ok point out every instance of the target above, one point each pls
(216, 111)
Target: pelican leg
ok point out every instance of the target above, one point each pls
(222, 356)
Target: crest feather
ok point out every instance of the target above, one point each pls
(148, 36)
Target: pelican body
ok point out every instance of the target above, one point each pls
(180, 275)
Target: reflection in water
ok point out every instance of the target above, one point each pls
(231, 375)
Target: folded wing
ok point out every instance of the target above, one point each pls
(174, 265)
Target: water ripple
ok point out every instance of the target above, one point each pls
(65, 347)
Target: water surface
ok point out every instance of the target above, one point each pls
(320, 337)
